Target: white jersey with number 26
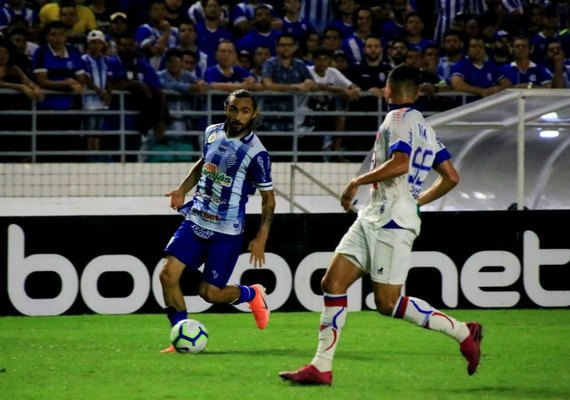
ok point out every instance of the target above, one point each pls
(395, 200)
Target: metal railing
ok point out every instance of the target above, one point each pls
(23, 128)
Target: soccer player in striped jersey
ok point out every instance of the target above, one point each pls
(379, 242)
(233, 165)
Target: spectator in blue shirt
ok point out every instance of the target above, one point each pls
(523, 72)
(353, 45)
(226, 75)
(344, 21)
(156, 36)
(241, 16)
(175, 78)
(293, 23)
(210, 31)
(58, 66)
(414, 27)
(477, 75)
(558, 65)
(261, 34)
(137, 76)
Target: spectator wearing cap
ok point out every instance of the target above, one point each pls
(340, 61)
(329, 79)
(83, 16)
(156, 36)
(500, 49)
(523, 72)
(98, 81)
(118, 27)
(241, 16)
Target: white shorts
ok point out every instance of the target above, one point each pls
(383, 253)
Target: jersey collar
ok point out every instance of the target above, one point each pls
(392, 107)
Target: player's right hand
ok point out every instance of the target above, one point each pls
(176, 198)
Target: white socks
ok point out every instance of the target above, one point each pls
(421, 313)
(333, 318)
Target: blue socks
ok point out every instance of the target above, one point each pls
(246, 294)
(175, 316)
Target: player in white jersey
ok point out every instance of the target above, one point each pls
(233, 165)
(379, 242)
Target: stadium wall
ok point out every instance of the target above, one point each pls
(110, 264)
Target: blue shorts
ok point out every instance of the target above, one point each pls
(193, 246)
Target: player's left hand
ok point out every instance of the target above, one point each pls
(257, 256)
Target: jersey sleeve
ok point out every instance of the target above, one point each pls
(442, 154)
(401, 131)
(260, 171)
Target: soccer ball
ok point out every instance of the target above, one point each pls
(189, 336)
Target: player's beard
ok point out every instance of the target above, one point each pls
(236, 128)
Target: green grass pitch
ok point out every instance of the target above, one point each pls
(526, 355)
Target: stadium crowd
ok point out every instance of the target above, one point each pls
(343, 49)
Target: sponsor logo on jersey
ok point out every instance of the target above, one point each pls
(210, 171)
(206, 215)
(212, 137)
(211, 198)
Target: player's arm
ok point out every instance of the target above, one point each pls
(448, 178)
(257, 245)
(177, 195)
(397, 165)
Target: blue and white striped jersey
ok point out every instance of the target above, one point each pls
(404, 129)
(233, 169)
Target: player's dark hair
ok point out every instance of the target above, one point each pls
(245, 94)
(404, 78)
(241, 94)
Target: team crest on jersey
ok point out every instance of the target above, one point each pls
(231, 160)
(212, 137)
